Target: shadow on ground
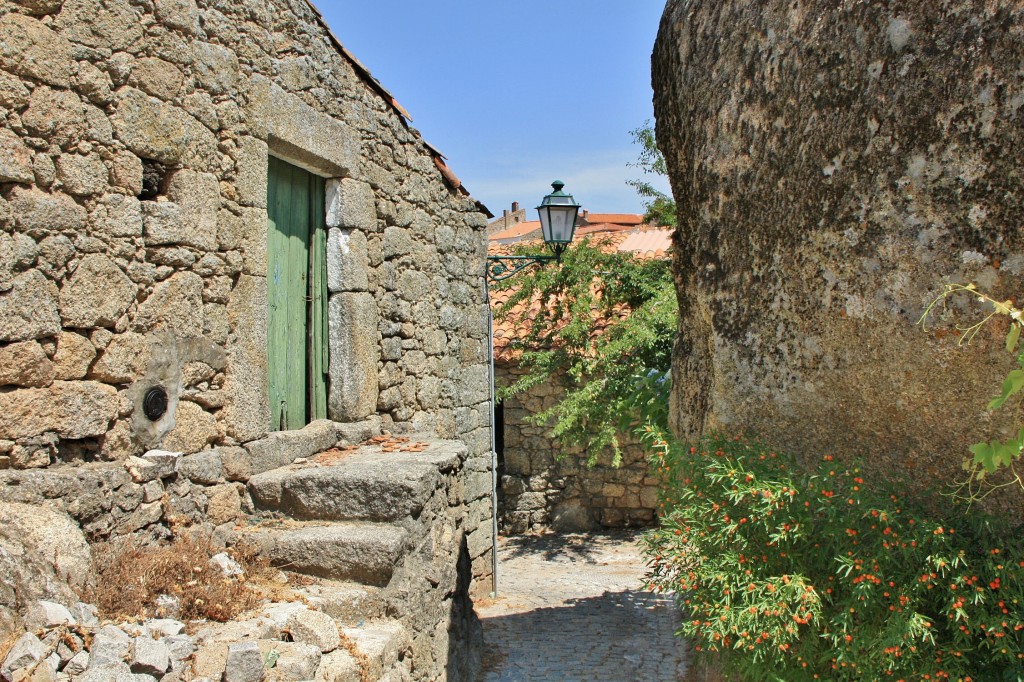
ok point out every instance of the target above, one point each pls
(568, 546)
(614, 637)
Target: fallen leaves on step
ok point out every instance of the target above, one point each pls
(389, 443)
(334, 455)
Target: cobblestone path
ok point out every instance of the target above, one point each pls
(570, 608)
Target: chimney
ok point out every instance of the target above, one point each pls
(515, 206)
(586, 214)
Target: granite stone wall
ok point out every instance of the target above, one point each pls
(134, 149)
(545, 485)
(133, 174)
(834, 165)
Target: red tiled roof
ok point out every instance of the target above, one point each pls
(615, 218)
(601, 227)
(644, 242)
(653, 243)
(517, 230)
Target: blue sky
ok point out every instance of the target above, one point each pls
(516, 94)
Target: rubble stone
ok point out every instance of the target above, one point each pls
(27, 651)
(78, 664)
(224, 503)
(228, 566)
(195, 428)
(72, 409)
(316, 628)
(156, 130)
(204, 467)
(25, 364)
(97, 294)
(54, 535)
(82, 175)
(118, 216)
(32, 49)
(110, 646)
(114, 671)
(244, 663)
(29, 309)
(15, 159)
(73, 357)
(296, 660)
(45, 614)
(149, 656)
(175, 305)
(113, 25)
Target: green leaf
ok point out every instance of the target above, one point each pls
(1013, 383)
(983, 454)
(992, 456)
(1005, 453)
(1012, 338)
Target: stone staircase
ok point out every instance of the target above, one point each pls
(354, 519)
(368, 524)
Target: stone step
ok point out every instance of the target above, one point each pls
(385, 645)
(347, 602)
(363, 552)
(366, 485)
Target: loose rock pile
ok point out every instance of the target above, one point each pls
(283, 641)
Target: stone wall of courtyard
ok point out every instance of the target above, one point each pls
(547, 485)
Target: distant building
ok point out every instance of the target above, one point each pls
(513, 226)
(538, 490)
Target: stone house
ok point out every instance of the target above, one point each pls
(220, 236)
(542, 484)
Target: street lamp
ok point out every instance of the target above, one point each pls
(558, 212)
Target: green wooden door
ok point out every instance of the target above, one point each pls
(296, 296)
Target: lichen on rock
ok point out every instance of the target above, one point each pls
(834, 164)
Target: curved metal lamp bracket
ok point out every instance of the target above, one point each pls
(503, 267)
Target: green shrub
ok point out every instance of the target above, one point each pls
(795, 575)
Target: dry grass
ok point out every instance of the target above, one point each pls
(362, 660)
(129, 576)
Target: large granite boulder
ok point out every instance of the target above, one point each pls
(43, 555)
(834, 164)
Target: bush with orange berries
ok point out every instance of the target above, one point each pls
(828, 574)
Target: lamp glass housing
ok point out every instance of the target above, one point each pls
(558, 212)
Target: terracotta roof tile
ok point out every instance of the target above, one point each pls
(645, 242)
(648, 243)
(593, 228)
(517, 230)
(615, 218)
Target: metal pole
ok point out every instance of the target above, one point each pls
(494, 449)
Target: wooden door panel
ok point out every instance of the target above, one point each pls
(296, 329)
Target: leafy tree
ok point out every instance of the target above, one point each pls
(604, 329)
(661, 208)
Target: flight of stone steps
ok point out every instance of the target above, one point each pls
(367, 522)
